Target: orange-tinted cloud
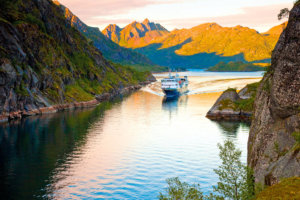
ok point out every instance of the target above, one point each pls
(261, 17)
(103, 12)
(92, 8)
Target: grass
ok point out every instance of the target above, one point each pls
(245, 104)
(296, 135)
(230, 90)
(76, 92)
(287, 188)
(227, 104)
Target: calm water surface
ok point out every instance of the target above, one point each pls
(120, 150)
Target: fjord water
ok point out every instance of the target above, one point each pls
(124, 149)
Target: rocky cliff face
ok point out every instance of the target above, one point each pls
(45, 61)
(273, 145)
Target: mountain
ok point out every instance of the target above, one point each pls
(45, 61)
(110, 50)
(135, 34)
(274, 138)
(201, 46)
(276, 30)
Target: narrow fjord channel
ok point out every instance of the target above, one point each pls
(124, 149)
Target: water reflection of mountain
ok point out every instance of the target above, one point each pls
(30, 149)
(172, 104)
(231, 128)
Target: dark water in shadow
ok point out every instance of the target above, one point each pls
(120, 150)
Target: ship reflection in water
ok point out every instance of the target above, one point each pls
(172, 104)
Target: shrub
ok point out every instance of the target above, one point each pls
(181, 190)
(236, 181)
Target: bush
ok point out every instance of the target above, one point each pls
(181, 190)
(236, 180)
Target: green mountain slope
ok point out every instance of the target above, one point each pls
(110, 50)
(45, 61)
(235, 67)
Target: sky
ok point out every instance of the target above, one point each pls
(258, 14)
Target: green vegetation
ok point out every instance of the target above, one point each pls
(181, 190)
(236, 180)
(227, 104)
(110, 49)
(230, 90)
(235, 67)
(248, 104)
(296, 135)
(202, 46)
(286, 189)
(21, 89)
(65, 62)
(33, 20)
(152, 68)
(241, 104)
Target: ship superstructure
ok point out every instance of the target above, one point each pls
(174, 85)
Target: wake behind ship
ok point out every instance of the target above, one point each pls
(174, 85)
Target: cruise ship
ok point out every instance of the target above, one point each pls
(174, 85)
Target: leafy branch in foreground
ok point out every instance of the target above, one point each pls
(178, 190)
(236, 180)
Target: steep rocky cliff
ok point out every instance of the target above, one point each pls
(273, 145)
(45, 61)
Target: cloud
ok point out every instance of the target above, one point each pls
(90, 8)
(103, 12)
(261, 17)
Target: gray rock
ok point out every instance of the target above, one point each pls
(245, 93)
(224, 107)
(272, 150)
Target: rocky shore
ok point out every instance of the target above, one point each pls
(32, 110)
(234, 106)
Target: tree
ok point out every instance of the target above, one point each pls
(235, 179)
(284, 13)
(178, 190)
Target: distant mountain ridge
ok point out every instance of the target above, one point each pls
(136, 34)
(110, 50)
(202, 46)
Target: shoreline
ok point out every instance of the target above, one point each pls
(19, 114)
